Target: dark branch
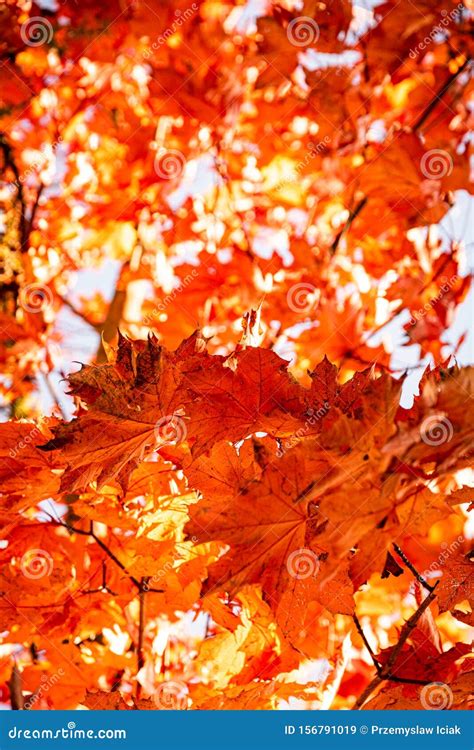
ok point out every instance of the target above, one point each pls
(351, 218)
(418, 124)
(384, 672)
(141, 585)
(412, 568)
(366, 643)
(439, 95)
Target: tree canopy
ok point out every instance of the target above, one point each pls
(237, 381)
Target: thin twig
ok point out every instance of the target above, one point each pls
(367, 692)
(439, 95)
(412, 568)
(11, 164)
(350, 219)
(408, 680)
(385, 673)
(418, 124)
(366, 643)
(406, 630)
(141, 586)
(399, 309)
(79, 314)
(34, 208)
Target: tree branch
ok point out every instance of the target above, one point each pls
(34, 209)
(75, 311)
(439, 95)
(54, 395)
(406, 630)
(350, 219)
(11, 164)
(109, 327)
(418, 124)
(367, 692)
(140, 585)
(14, 686)
(366, 643)
(385, 673)
(412, 568)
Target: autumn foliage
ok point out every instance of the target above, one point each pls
(237, 391)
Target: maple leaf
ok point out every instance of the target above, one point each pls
(136, 399)
(252, 648)
(265, 515)
(101, 700)
(257, 695)
(26, 474)
(153, 398)
(457, 582)
(251, 391)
